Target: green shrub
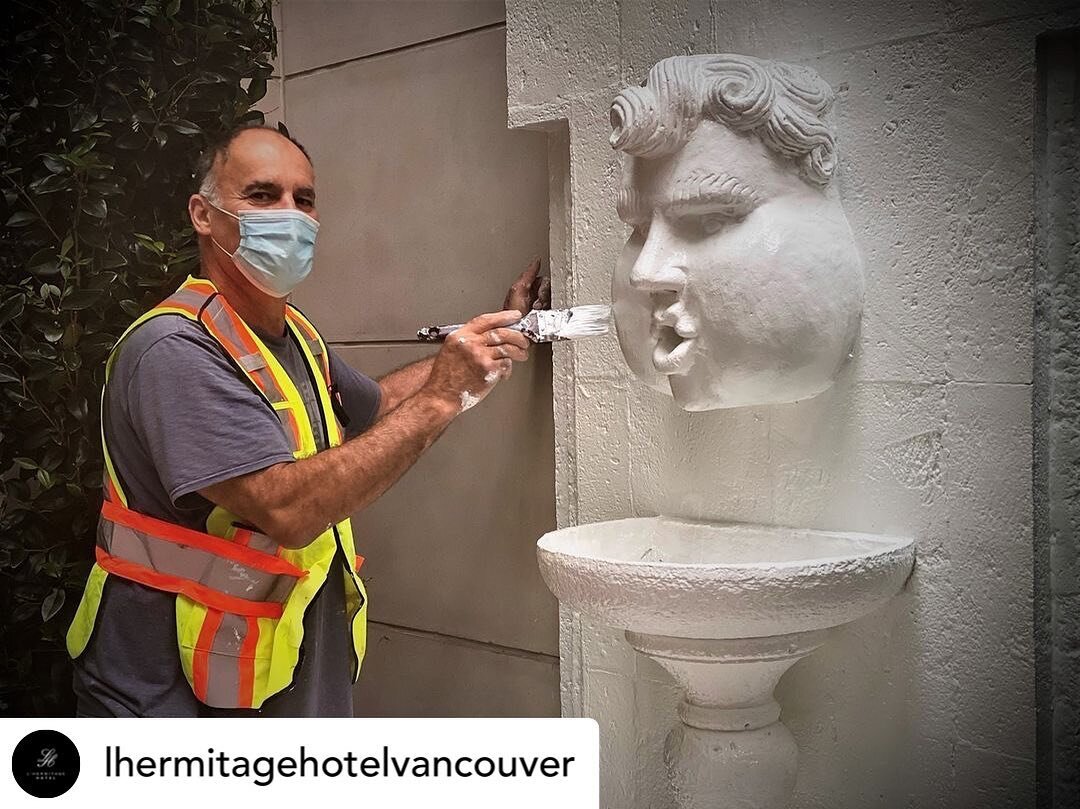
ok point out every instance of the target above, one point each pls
(104, 105)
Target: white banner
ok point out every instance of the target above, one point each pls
(267, 763)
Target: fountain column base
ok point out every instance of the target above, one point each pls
(730, 750)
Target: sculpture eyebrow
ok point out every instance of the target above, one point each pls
(702, 191)
(697, 192)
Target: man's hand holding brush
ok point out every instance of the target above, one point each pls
(476, 356)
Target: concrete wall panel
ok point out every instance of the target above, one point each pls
(410, 673)
(324, 32)
(451, 547)
(432, 208)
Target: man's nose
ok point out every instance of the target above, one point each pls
(659, 265)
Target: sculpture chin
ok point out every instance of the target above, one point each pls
(766, 389)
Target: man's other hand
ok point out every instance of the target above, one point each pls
(529, 291)
(475, 357)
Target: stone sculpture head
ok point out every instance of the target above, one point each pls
(741, 283)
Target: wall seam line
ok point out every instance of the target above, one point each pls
(945, 31)
(488, 646)
(299, 74)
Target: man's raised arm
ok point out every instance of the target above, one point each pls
(292, 503)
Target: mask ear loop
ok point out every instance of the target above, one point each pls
(227, 213)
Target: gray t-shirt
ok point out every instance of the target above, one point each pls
(178, 418)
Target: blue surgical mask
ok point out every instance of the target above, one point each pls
(276, 250)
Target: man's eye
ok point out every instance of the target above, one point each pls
(641, 229)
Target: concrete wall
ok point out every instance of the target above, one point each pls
(429, 210)
(929, 433)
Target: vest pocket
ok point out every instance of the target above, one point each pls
(222, 654)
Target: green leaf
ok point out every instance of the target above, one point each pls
(21, 219)
(26, 463)
(54, 164)
(112, 260)
(79, 299)
(77, 406)
(72, 360)
(95, 207)
(53, 603)
(53, 456)
(12, 308)
(185, 127)
(86, 118)
(7, 375)
(63, 98)
(256, 90)
(53, 332)
(51, 183)
(130, 308)
(45, 478)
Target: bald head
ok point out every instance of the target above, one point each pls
(218, 153)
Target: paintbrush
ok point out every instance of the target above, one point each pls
(543, 325)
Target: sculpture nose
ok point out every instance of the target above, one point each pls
(658, 266)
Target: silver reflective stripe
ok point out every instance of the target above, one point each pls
(216, 572)
(190, 298)
(252, 362)
(223, 664)
(259, 373)
(261, 542)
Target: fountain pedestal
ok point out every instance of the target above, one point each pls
(726, 610)
(731, 748)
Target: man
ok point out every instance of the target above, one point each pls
(237, 445)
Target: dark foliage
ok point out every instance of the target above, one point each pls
(104, 106)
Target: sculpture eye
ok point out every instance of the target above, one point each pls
(713, 223)
(641, 229)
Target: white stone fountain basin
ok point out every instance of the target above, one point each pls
(726, 609)
(664, 576)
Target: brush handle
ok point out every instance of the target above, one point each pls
(436, 334)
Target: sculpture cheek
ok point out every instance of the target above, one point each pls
(633, 319)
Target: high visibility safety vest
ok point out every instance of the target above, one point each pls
(240, 597)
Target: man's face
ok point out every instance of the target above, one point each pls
(263, 170)
(740, 284)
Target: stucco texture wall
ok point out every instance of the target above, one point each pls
(928, 433)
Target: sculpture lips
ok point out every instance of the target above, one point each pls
(673, 354)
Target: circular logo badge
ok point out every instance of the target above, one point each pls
(45, 763)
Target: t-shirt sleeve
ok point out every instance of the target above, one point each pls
(360, 395)
(198, 418)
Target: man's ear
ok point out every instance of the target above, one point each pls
(199, 211)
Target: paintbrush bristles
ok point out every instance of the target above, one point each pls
(586, 321)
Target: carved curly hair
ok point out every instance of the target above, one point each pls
(784, 105)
